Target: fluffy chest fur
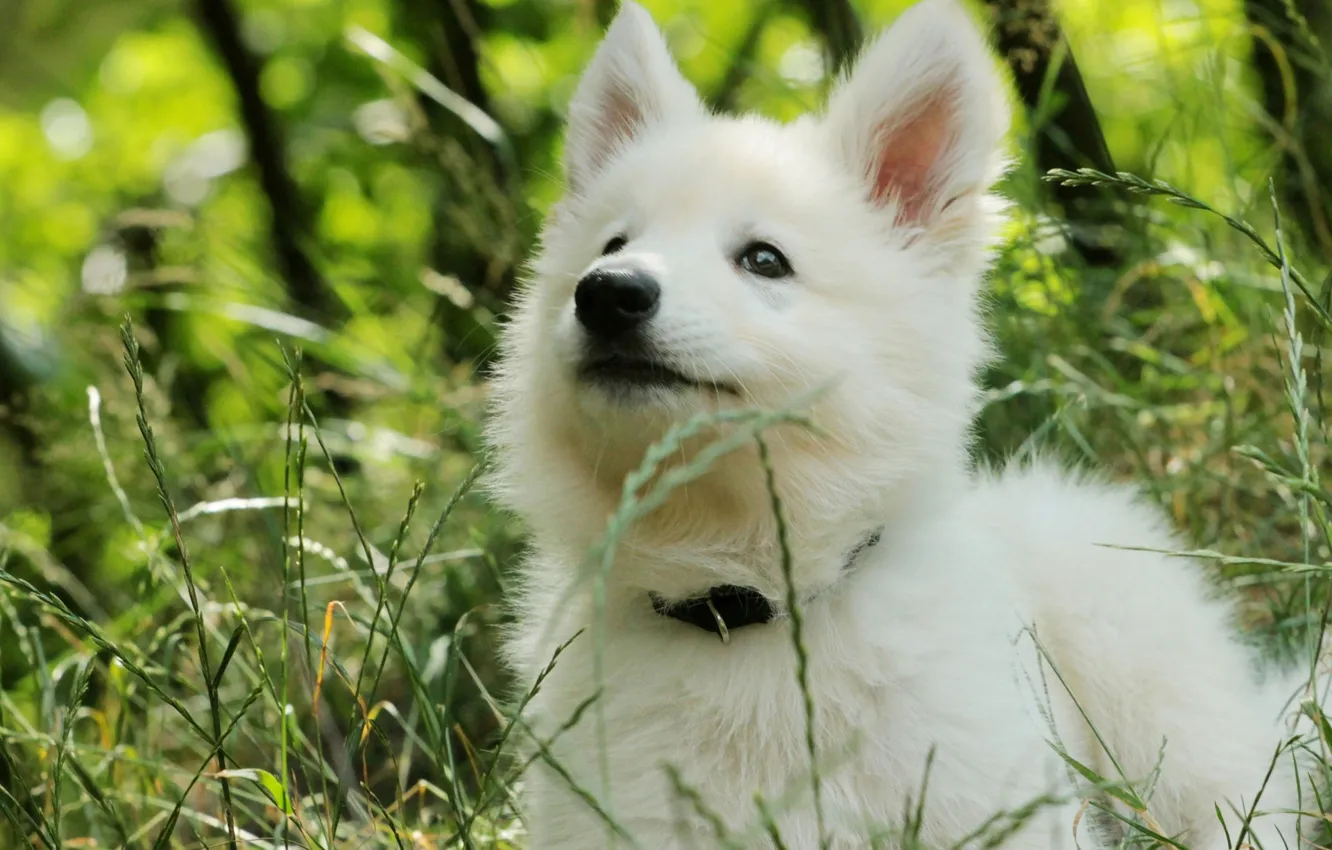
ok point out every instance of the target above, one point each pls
(915, 656)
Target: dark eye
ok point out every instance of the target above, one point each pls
(614, 245)
(762, 259)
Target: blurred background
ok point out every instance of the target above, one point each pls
(346, 190)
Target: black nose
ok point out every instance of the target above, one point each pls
(611, 302)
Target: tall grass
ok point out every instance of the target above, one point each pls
(283, 681)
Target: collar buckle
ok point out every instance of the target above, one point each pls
(722, 632)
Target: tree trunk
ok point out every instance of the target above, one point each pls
(448, 32)
(290, 224)
(1030, 40)
(1301, 46)
(838, 28)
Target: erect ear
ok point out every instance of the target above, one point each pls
(631, 84)
(922, 116)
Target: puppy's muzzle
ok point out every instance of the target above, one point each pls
(613, 303)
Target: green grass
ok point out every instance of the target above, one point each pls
(274, 622)
(313, 706)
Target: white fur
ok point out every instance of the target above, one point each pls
(882, 207)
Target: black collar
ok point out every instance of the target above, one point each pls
(728, 607)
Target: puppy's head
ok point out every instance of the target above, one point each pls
(700, 262)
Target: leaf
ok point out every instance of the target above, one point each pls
(277, 792)
(1123, 794)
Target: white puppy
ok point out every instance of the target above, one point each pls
(701, 263)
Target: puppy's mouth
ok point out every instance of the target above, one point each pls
(618, 373)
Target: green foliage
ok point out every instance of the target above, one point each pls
(245, 582)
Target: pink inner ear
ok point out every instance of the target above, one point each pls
(620, 119)
(907, 154)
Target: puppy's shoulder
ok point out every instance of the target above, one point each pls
(1044, 497)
